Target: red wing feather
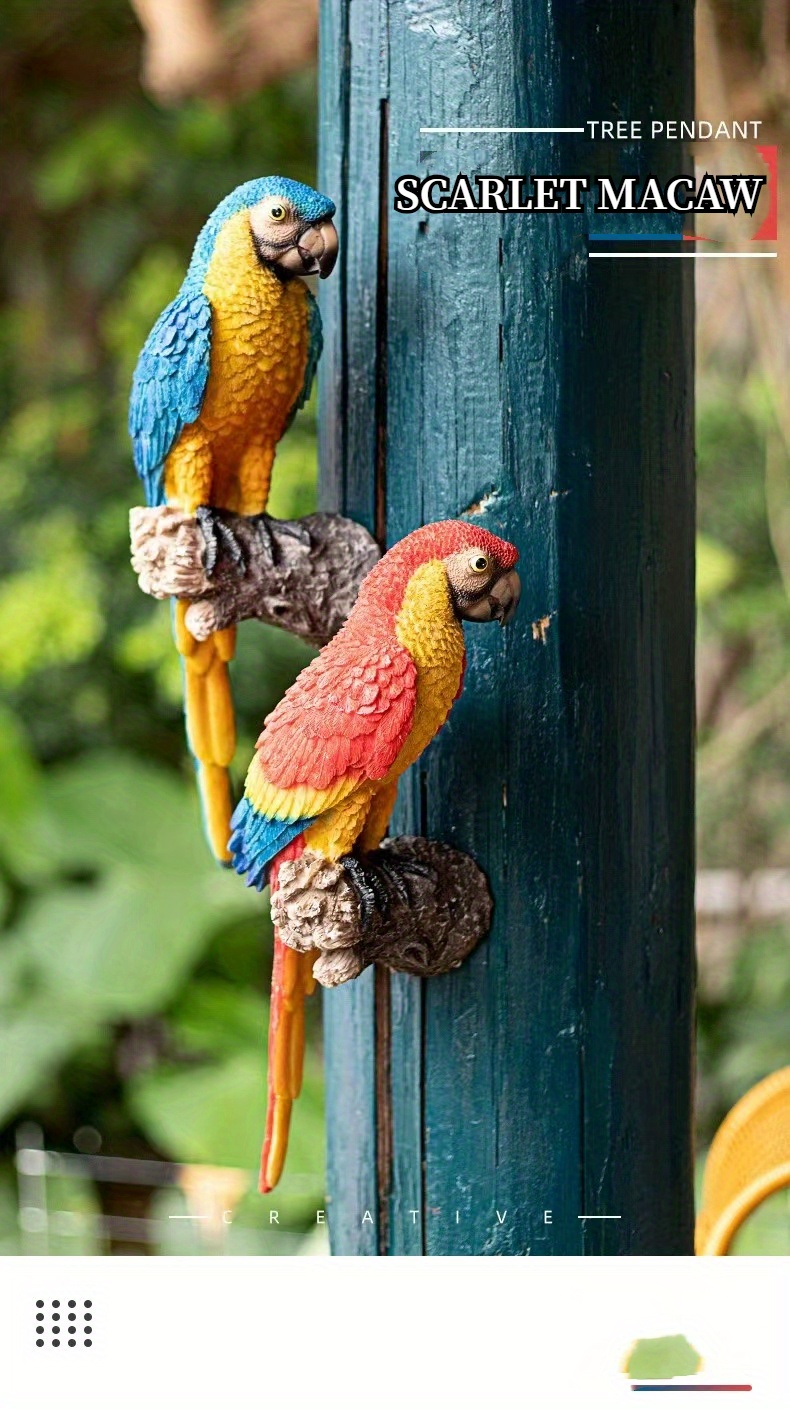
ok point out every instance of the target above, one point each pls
(348, 713)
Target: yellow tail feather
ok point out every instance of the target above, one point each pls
(217, 807)
(225, 643)
(211, 724)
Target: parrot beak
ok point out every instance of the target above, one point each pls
(328, 255)
(500, 603)
(315, 251)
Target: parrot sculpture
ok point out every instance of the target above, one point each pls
(222, 373)
(325, 773)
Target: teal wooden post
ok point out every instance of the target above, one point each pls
(482, 365)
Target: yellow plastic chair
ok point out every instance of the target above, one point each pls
(748, 1160)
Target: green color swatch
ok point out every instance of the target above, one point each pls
(661, 1358)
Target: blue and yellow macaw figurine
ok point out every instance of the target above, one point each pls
(222, 373)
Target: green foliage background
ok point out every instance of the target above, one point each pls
(133, 974)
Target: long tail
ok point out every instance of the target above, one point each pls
(210, 721)
(292, 982)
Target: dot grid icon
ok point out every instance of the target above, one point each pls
(68, 1324)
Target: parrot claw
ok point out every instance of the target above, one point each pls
(380, 878)
(406, 866)
(396, 871)
(395, 878)
(368, 887)
(378, 885)
(217, 532)
(265, 535)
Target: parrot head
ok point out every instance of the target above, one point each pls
(480, 569)
(290, 227)
(484, 584)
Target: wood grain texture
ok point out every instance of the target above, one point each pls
(551, 398)
(348, 117)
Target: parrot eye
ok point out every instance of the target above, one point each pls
(277, 212)
(478, 562)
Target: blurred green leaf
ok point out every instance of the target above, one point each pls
(113, 810)
(129, 317)
(717, 568)
(34, 1040)
(50, 610)
(14, 970)
(295, 479)
(215, 1114)
(120, 948)
(105, 242)
(148, 646)
(242, 950)
(203, 129)
(20, 795)
(9, 1212)
(124, 944)
(40, 444)
(109, 155)
(214, 1019)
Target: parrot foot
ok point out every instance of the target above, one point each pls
(217, 531)
(414, 906)
(369, 888)
(378, 878)
(398, 869)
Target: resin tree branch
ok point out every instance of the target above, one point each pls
(438, 910)
(302, 575)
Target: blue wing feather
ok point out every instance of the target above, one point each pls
(169, 385)
(256, 839)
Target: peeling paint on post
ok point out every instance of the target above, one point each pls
(479, 363)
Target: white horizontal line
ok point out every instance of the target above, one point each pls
(586, 1216)
(439, 130)
(682, 254)
(187, 1215)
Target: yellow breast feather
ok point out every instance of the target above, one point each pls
(259, 352)
(430, 631)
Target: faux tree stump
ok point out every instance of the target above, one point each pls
(438, 909)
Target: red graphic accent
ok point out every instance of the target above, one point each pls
(768, 229)
(706, 238)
